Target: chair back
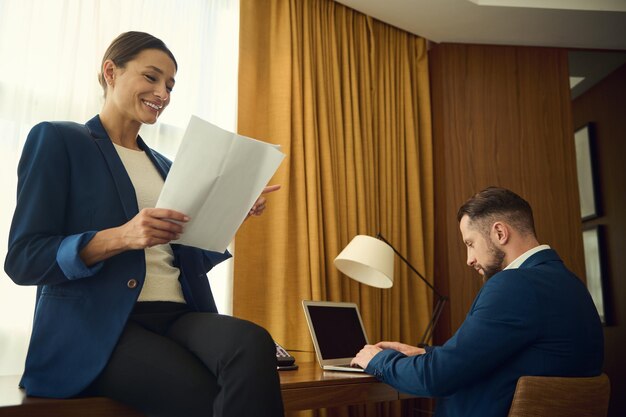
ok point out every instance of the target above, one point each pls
(540, 396)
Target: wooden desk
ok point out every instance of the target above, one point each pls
(308, 387)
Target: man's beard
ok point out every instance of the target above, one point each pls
(495, 265)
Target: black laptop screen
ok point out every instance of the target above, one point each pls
(338, 331)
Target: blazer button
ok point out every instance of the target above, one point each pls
(132, 283)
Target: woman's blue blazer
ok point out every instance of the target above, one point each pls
(71, 184)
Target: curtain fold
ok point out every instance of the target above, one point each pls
(347, 98)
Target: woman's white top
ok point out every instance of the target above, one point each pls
(161, 282)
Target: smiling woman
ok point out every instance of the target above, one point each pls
(112, 283)
(142, 84)
(54, 61)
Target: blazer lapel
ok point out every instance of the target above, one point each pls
(122, 181)
(162, 167)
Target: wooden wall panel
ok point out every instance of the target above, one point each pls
(501, 116)
(604, 105)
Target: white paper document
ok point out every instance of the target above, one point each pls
(215, 179)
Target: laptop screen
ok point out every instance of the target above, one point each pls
(337, 329)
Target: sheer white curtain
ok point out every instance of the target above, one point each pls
(50, 52)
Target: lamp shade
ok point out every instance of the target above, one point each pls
(368, 260)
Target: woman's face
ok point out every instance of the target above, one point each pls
(141, 90)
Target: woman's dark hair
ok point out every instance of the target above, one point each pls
(493, 204)
(127, 46)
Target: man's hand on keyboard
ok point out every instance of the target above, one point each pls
(408, 350)
(365, 355)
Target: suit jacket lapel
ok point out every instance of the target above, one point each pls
(122, 181)
(159, 165)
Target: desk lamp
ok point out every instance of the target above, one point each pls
(369, 260)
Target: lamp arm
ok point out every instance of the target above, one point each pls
(428, 333)
(441, 299)
(381, 237)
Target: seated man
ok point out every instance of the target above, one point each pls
(532, 317)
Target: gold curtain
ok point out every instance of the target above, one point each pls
(347, 98)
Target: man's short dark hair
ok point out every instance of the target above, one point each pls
(495, 203)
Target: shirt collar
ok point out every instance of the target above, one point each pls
(522, 258)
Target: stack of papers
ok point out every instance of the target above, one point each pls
(215, 179)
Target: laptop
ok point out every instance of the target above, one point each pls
(337, 332)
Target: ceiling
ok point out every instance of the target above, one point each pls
(576, 24)
(559, 23)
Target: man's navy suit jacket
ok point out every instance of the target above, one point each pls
(538, 319)
(71, 184)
